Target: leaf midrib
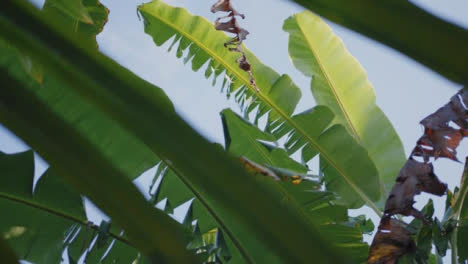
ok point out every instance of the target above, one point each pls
(213, 213)
(246, 82)
(330, 83)
(61, 214)
(334, 91)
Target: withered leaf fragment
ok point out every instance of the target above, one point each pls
(392, 241)
(441, 138)
(454, 111)
(231, 26)
(243, 64)
(274, 173)
(225, 6)
(255, 168)
(415, 177)
(440, 142)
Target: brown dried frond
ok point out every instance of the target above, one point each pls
(392, 241)
(440, 140)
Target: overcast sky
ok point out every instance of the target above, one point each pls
(406, 91)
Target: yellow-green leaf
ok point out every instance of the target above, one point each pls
(339, 82)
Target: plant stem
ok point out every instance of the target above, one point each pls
(454, 245)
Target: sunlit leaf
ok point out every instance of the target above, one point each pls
(339, 82)
(405, 27)
(277, 98)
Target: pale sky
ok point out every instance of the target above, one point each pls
(406, 91)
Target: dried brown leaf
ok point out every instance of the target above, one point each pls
(243, 64)
(415, 177)
(440, 142)
(256, 168)
(271, 172)
(392, 241)
(225, 6)
(440, 139)
(231, 26)
(453, 111)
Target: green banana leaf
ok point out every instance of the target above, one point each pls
(87, 33)
(177, 193)
(433, 42)
(172, 192)
(243, 139)
(134, 104)
(75, 9)
(90, 173)
(113, 141)
(93, 119)
(103, 131)
(339, 82)
(40, 224)
(278, 98)
(70, 14)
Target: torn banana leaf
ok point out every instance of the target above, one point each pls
(247, 141)
(141, 110)
(277, 98)
(39, 225)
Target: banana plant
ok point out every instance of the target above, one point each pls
(100, 126)
(311, 131)
(121, 97)
(245, 140)
(41, 224)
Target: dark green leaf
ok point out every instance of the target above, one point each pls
(365, 225)
(89, 171)
(318, 205)
(136, 106)
(37, 224)
(71, 13)
(440, 237)
(459, 216)
(75, 9)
